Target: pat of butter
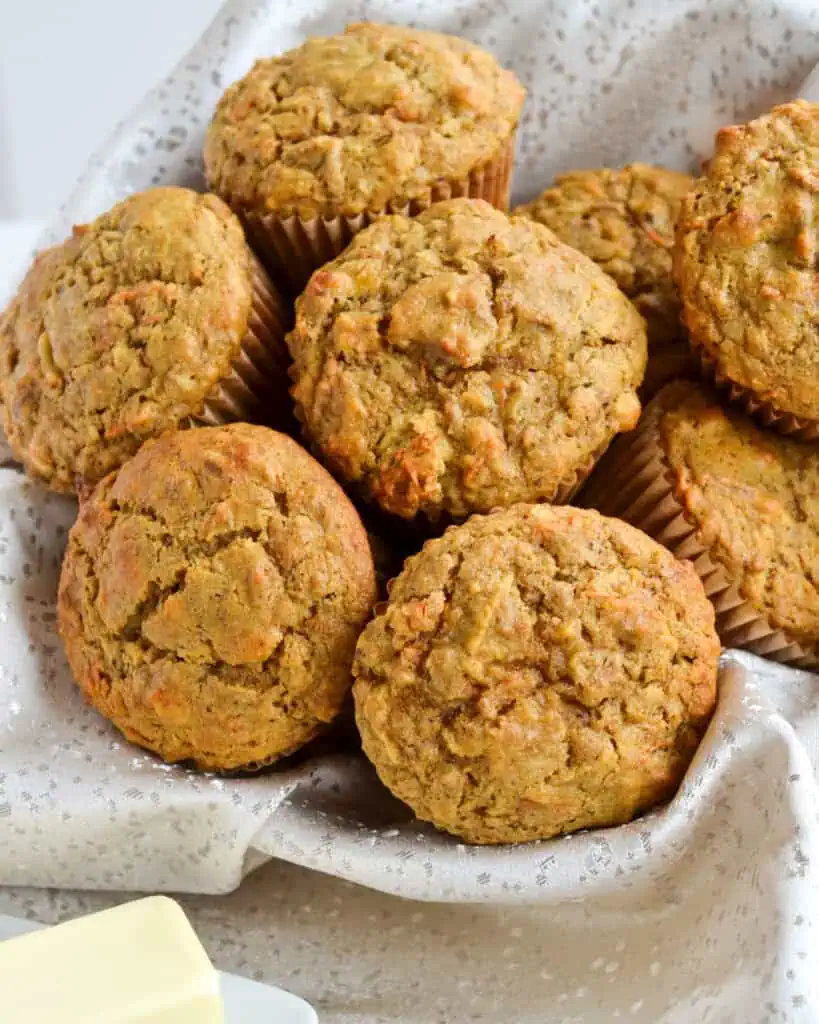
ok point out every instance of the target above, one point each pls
(140, 963)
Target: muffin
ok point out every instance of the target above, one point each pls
(153, 316)
(745, 261)
(537, 671)
(461, 360)
(211, 596)
(624, 220)
(309, 146)
(740, 502)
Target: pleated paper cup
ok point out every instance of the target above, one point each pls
(635, 483)
(569, 487)
(292, 247)
(799, 428)
(667, 361)
(257, 387)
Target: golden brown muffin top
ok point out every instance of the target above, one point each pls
(212, 594)
(624, 220)
(746, 257)
(121, 331)
(754, 497)
(461, 360)
(536, 671)
(360, 121)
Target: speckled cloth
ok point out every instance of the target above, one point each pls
(705, 910)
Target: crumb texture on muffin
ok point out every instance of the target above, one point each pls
(212, 593)
(746, 258)
(353, 123)
(461, 360)
(537, 671)
(754, 497)
(624, 220)
(121, 331)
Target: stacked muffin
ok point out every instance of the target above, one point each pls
(535, 668)
(740, 499)
(311, 146)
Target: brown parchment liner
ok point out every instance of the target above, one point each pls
(292, 248)
(635, 484)
(799, 428)
(256, 388)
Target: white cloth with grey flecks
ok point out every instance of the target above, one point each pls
(705, 910)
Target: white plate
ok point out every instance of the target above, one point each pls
(246, 1002)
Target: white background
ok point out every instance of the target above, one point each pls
(69, 70)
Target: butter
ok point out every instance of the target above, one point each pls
(140, 963)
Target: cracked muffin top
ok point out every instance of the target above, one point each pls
(121, 332)
(212, 594)
(746, 258)
(360, 121)
(754, 497)
(537, 671)
(461, 360)
(624, 220)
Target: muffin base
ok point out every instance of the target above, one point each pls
(636, 485)
(292, 247)
(429, 522)
(800, 428)
(256, 390)
(267, 763)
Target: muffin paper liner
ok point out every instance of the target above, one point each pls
(635, 484)
(567, 489)
(667, 361)
(256, 388)
(799, 428)
(292, 248)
